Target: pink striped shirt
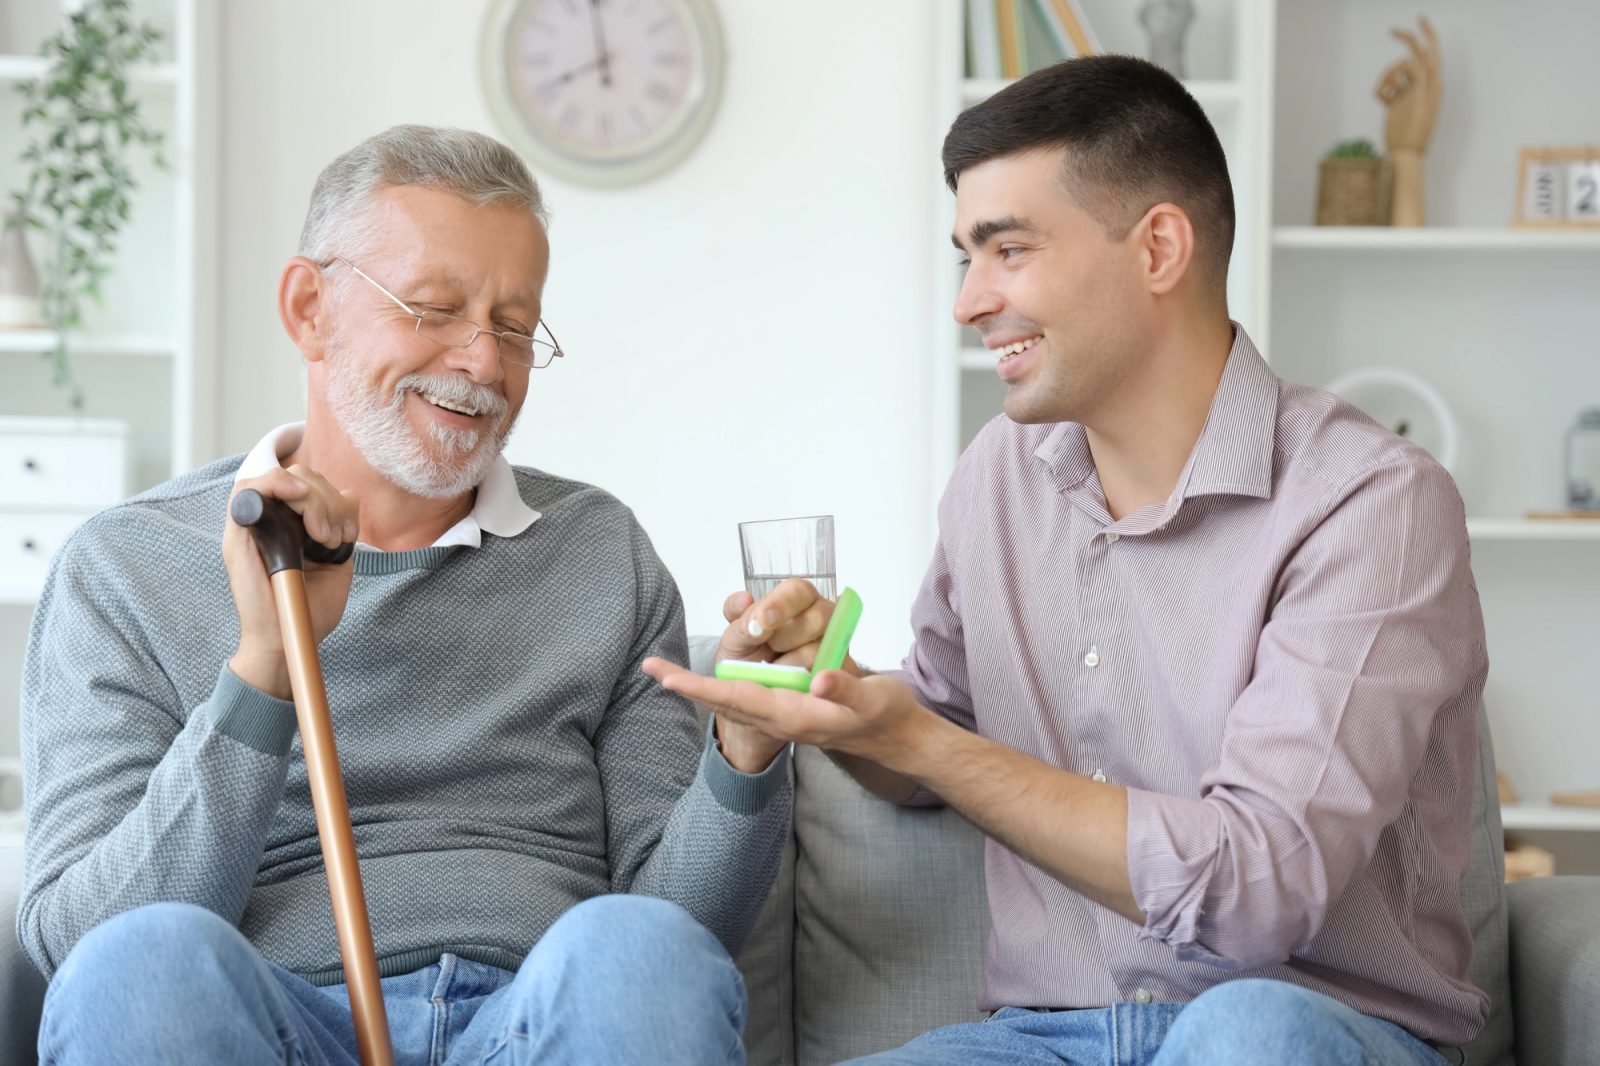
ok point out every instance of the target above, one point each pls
(1282, 664)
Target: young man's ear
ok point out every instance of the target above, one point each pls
(304, 307)
(1167, 237)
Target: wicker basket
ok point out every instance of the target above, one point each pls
(1350, 192)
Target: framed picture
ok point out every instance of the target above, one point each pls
(1558, 187)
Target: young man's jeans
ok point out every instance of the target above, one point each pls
(618, 979)
(1240, 1023)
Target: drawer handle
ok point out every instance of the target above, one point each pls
(30, 545)
(30, 464)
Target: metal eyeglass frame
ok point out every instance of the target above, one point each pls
(535, 345)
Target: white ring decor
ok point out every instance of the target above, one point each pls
(1375, 388)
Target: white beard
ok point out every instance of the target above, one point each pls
(459, 458)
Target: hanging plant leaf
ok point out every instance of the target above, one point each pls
(77, 179)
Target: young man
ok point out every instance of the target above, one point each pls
(541, 859)
(1199, 649)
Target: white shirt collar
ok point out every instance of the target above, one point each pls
(498, 510)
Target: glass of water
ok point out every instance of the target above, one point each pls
(788, 547)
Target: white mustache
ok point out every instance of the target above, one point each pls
(454, 389)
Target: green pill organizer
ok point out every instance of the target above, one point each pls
(830, 654)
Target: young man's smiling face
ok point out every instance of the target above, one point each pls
(1061, 303)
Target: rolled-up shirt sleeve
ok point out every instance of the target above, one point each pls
(1375, 628)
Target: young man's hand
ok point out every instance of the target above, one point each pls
(785, 627)
(877, 718)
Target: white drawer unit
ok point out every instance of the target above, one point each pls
(28, 541)
(62, 463)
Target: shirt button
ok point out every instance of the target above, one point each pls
(1092, 659)
(1112, 538)
(1142, 995)
(1099, 776)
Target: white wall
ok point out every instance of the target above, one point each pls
(748, 335)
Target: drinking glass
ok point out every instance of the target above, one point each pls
(781, 548)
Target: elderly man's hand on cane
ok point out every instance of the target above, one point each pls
(331, 519)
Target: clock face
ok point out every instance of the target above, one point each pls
(604, 91)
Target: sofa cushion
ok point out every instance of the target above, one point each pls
(767, 964)
(891, 917)
(21, 986)
(1555, 968)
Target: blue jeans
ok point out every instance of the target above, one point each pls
(618, 979)
(1248, 1022)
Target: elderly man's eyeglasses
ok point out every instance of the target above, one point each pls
(456, 332)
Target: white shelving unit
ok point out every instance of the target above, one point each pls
(1498, 318)
(146, 355)
(160, 303)
(1501, 319)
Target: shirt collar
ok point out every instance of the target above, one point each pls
(1233, 454)
(498, 509)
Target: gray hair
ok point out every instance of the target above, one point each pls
(475, 167)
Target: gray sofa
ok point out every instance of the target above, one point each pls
(875, 932)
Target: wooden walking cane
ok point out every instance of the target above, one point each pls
(281, 538)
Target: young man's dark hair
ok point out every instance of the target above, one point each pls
(1133, 138)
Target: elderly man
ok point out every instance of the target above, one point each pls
(550, 878)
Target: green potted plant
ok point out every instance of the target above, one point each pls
(1350, 186)
(84, 128)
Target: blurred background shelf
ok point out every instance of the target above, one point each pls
(1549, 816)
(20, 68)
(1533, 529)
(36, 341)
(1434, 238)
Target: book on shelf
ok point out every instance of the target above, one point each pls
(1009, 38)
(983, 40)
(1013, 45)
(1068, 27)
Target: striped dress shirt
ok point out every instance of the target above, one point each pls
(1281, 663)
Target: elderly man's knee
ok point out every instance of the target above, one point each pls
(633, 941)
(631, 968)
(160, 943)
(650, 927)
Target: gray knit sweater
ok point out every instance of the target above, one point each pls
(503, 755)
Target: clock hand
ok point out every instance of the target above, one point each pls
(600, 43)
(563, 78)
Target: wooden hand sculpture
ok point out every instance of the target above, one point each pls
(1410, 90)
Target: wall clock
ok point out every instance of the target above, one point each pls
(603, 92)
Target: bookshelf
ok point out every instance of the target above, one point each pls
(1499, 319)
